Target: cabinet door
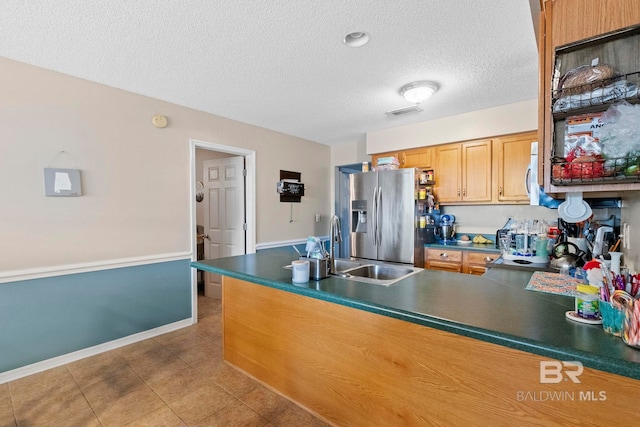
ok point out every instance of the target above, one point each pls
(444, 266)
(448, 173)
(476, 171)
(512, 156)
(417, 158)
(575, 20)
(474, 262)
(375, 157)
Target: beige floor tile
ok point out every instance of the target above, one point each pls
(174, 386)
(96, 368)
(129, 407)
(179, 343)
(234, 415)
(203, 353)
(112, 388)
(53, 409)
(293, 415)
(201, 403)
(265, 402)
(209, 328)
(163, 417)
(37, 386)
(6, 408)
(138, 350)
(156, 364)
(7, 419)
(233, 380)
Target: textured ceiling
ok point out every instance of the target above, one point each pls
(281, 64)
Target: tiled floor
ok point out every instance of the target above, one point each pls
(176, 379)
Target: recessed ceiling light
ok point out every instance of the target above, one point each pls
(418, 92)
(356, 39)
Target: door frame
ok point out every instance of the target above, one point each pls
(249, 198)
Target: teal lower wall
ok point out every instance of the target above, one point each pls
(44, 318)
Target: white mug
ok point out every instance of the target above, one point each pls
(300, 271)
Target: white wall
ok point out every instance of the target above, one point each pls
(135, 177)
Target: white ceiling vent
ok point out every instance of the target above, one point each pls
(401, 111)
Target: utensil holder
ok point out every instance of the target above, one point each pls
(318, 267)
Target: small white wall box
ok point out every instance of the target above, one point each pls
(62, 182)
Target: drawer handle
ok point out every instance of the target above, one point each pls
(444, 255)
(488, 259)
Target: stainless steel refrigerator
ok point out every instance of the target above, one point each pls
(382, 221)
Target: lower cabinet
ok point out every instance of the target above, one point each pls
(474, 262)
(458, 261)
(443, 259)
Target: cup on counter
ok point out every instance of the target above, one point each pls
(300, 271)
(505, 244)
(612, 318)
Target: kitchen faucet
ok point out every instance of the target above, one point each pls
(336, 237)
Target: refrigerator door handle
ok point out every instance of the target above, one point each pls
(378, 228)
(375, 217)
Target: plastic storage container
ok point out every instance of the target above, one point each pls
(587, 302)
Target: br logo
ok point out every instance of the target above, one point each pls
(554, 372)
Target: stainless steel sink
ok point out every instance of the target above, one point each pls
(375, 273)
(346, 264)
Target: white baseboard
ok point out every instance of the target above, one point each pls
(90, 351)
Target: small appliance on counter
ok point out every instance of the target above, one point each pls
(446, 230)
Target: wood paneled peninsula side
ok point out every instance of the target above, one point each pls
(435, 348)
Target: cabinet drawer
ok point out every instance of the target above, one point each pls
(480, 258)
(444, 266)
(444, 255)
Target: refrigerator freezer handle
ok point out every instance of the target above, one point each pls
(375, 216)
(378, 228)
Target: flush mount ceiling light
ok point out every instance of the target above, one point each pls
(418, 92)
(356, 39)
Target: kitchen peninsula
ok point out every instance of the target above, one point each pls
(434, 348)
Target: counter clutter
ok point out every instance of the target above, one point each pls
(619, 296)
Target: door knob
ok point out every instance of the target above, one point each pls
(206, 236)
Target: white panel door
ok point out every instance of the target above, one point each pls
(224, 211)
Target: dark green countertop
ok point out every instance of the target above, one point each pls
(494, 307)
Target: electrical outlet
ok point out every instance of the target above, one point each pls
(317, 217)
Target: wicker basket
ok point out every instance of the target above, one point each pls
(584, 79)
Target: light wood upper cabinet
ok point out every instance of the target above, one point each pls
(487, 171)
(463, 172)
(375, 157)
(573, 33)
(448, 172)
(476, 171)
(512, 156)
(421, 157)
(417, 158)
